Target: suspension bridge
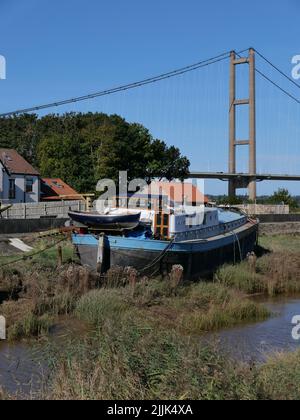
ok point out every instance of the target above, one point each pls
(207, 118)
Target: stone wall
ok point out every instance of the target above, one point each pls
(257, 209)
(57, 209)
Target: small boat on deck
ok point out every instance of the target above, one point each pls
(107, 222)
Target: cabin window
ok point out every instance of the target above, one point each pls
(165, 232)
(158, 219)
(29, 185)
(12, 189)
(166, 219)
(162, 225)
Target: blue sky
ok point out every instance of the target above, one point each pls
(58, 49)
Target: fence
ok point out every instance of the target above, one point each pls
(57, 209)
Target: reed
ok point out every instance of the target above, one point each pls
(125, 360)
(98, 306)
(196, 308)
(275, 273)
(279, 377)
(29, 326)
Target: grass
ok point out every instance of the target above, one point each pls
(279, 378)
(126, 360)
(196, 308)
(275, 273)
(217, 317)
(46, 258)
(281, 243)
(143, 341)
(30, 326)
(99, 305)
(38, 291)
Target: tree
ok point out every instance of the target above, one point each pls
(65, 157)
(84, 148)
(232, 201)
(282, 196)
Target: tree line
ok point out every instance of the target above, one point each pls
(83, 148)
(281, 196)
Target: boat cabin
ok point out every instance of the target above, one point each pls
(185, 226)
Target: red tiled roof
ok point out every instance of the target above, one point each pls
(53, 188)
(15, 163)
(178, 192)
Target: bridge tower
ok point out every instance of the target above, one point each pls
(251, 141)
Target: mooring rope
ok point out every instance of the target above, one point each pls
(159, 258)
(29, 256)
(239, 245)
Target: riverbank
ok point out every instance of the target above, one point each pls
(143, 337)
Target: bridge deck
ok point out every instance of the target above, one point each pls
(225, 176)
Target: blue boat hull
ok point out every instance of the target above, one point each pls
(198, 258)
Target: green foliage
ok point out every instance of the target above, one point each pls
(99, 305)
(282, 196)
(276, 273)
(232, 201)
(127, 359)
(240, 277)
(83, 148)
(279, 378)
(30, 326)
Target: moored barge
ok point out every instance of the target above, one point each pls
(200, 243)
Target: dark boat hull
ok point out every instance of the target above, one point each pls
(198, 258)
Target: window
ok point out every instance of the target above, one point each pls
(29, 185)
(12, 189)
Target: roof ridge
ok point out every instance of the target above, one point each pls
(15, 163)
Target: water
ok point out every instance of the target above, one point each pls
(23, 370)
(255, 342)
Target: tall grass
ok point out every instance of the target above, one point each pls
(129, 359)
(98, 306)
(125, 360)
(281, 243)
(279, 378)
(29, 326)
(209, 307)
(43, 293)
(195, 309)
(275, 273)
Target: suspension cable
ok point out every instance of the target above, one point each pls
(150, 80)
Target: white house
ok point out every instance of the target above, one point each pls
(19, 181)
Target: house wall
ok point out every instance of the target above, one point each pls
(21, 196)
(1, 181)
